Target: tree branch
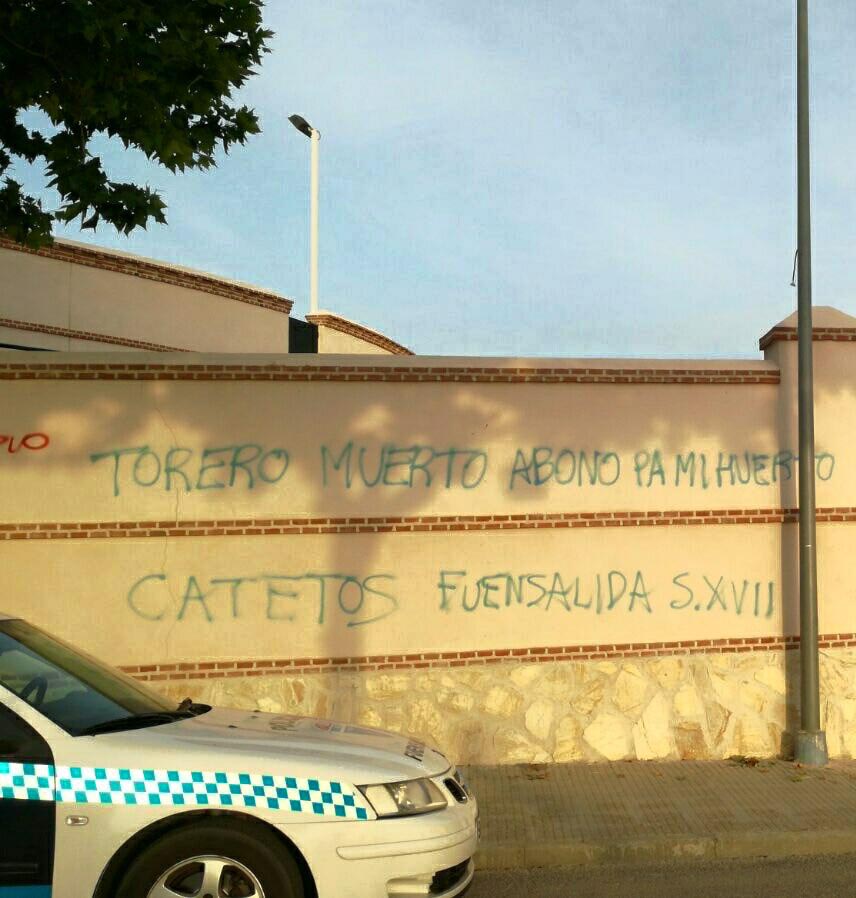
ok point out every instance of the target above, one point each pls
(35, 53)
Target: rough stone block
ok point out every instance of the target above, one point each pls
(688, 703)
(773, 677)
(569, 740)
(524, 675)
(539, 719)
(669, 672)
(387, 685)
(630, 690)
(753, 738)
(588, 698)
(652, 734)
(690, 743)
(425, 718)
(610, 735)
(369, 717)
(502, 702)
(515, 747)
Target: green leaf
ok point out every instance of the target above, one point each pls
(157, 75)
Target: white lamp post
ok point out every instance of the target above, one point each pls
(314, 136)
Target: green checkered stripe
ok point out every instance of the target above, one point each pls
(28, 782)
(192, 788)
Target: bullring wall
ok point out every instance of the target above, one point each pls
(523, 560)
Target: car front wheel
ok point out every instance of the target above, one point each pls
(213, 859)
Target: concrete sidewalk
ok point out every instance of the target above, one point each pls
(571, 814)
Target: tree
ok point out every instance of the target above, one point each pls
(156, 74)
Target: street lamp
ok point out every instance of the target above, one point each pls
(314, 136)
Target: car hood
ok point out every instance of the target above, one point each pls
(256, 742)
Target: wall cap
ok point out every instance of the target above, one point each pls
(786, 334)
(149, 269)
(355, 369)
(336, 322)
(828, 323)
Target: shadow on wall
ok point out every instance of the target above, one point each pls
(621, 419)
(835, 391)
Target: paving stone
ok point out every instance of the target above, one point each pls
(637, 811)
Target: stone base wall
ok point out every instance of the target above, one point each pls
(671, 707)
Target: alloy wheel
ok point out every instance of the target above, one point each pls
(208, 876)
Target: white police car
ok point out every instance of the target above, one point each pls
(108, 790)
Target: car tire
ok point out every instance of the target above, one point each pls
(249, 858)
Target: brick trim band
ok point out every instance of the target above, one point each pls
(784, 333)
(62, 251)
(209, 670)
(377, 373)
(416, 524)
(86, 335)
(334, 322)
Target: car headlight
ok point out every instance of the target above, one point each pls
(404, 799)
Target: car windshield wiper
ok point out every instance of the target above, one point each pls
(137, 721)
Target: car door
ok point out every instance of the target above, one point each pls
(27, 810)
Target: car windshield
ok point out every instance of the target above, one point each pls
(72, 689)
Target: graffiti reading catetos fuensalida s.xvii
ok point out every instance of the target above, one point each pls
(599, 593)
(357, 601)
(390, 466)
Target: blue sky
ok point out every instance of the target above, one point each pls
(533, 178)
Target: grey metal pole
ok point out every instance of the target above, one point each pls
(810, 745)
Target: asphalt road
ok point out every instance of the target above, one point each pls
(833, 877)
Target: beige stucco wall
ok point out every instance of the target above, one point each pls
(334, 342)
(39, 340)
(263, 578)
(394, 604)
(53, 293)
(638, 432)
(338, 335)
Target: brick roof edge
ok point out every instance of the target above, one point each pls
(343, 325)
(787, 333)
(155, 271)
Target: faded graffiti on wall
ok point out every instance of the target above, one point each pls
(354, 601)
(419, 467)
(29, 442)
(359, 601)
(242, 465)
